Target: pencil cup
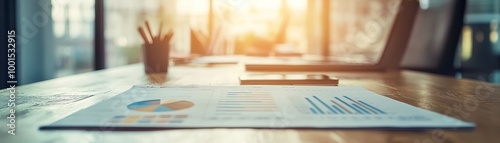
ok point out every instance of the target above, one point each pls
(156, 58)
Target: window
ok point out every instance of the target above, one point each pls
(360, 28)
(253, 27)
(479, 48)
(123, 44)
(73, 33)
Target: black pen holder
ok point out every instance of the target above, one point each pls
(156, 57)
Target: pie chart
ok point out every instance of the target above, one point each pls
(160, 105)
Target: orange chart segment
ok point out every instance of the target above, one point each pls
(160, 105)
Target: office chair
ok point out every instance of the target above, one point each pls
(434, 40)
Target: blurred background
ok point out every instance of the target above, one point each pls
(58, 36)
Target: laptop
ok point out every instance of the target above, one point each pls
(391, 56)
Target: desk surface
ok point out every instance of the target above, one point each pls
(45, 102)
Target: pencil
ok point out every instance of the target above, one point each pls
(143, 35)
(160, 30)
(149, 30)
(167, 37)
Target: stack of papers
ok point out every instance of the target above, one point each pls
(255, 107)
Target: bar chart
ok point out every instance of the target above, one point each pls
(340, 105)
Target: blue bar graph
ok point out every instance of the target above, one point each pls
(324, 104)
(342, 107)
(338, 105)
(348, 105)
(360, 108)
(313, 111)
(314, 105)
(341, 112)
(372, 107)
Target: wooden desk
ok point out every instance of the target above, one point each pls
(45, 102)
